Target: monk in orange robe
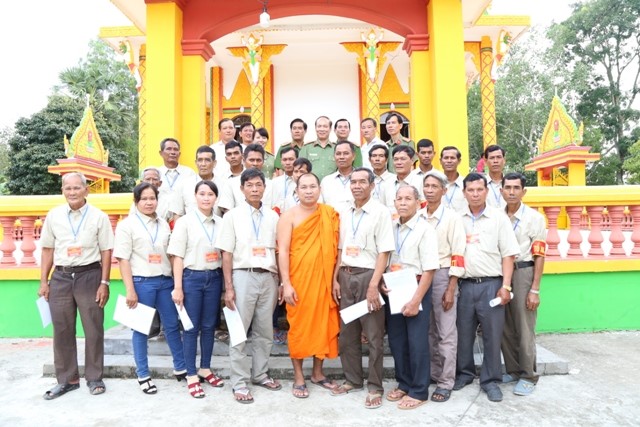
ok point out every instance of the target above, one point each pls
(307, 249)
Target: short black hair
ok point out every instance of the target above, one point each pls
(253, 147)
(401, 148)
(303, 161)
(380, 147)
(249, 174)
(472, 177)
(424, 143)
(341, 120)
(369, 172)
(206, 149)
(212, 185)
(231, 145)
(246, 124)
(351, 145)
(288, 148)
(397, 116)
(451, 147)
(138, 189)
(491, 149)
(515, 175)
(369, 119)
(262, 131)
(222, 121)
(294, 121)
(163, 143)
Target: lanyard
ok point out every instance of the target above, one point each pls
(450, 199)
(399, 248)
(344, 182)
(518, 219)
(213, 230)
(355, 230)
(171, 183)
(256, 229)
(153, 238)
(439, 219)
(77, 230)
(496, 194)
(287, 180)
(474, 218)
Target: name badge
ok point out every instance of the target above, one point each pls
(259, 251)
(211, 256)
(352, 251)
(473, 238)
(155, 258)
(395, 267)
(74, 251)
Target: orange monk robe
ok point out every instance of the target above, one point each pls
(314, 320)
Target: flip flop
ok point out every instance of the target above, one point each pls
(302, 388)
(59, 390)
(443, 394)
(325, 383)
(368, 403)
(269, 383)
(345, 389)
(409, 402)
(244, 392)
(396, 394)
(96, 387)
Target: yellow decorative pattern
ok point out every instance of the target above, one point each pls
(560, 129)
(86, 141)
(142, 109)
(503, 21)
(487, 93)
(119, 32)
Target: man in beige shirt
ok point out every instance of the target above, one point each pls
(494, 156)
(443, 333)
(336, 191)
(366, 239)
(172, 174)
(454, 199)
(77, 239)
(247, 240)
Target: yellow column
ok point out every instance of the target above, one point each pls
(576, 173)
(194, 112)
(216, 103)
(164, 77)
(142, 109)
(487, 93)
(446, 49)
(422, 125)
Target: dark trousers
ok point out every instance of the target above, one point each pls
(353, 289)
(409, 342)
(70, 293)
(473, 308)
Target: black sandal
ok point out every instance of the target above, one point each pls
(147, 386)
(59, 390)
(440, 395)
(96, 387)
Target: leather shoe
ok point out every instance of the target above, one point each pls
(461, 383)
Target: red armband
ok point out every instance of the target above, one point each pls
(276, 210)
(539, 248)
(457, 261)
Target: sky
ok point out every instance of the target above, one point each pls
(44, 37)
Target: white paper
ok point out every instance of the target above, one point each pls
(356, 311)
(139, 318)
(237, 334)
(45, 312)
(402, 287)
(187, 324)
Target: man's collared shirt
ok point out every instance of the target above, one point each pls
(380, 184)
(282, 190)
(391, 144)
(322, 158)
(451, 238)
(250, 235)
(364, 148)
(231, 194)
(364, 233)
(494, 196)
(143, 241)
(454, 197)
(193, 240)
(416, 246)
(490, 238)
(531, 232)
(76, 237)
(269, 164)
(391, 187)
(336, 191)
(278, 159)
(222, 167)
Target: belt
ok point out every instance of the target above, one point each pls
(77, 269)
(254, 270)
(480, 279)
(523, 264)
(355, 270)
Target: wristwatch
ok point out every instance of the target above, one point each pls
(105, 282)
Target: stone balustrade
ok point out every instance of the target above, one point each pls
(604, 222)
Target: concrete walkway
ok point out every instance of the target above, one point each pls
(601, 389)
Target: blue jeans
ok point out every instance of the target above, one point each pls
(202, 291)
(156, 292)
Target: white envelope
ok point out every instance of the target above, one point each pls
(139, 318)
(402, 285)
(45, 311)
(356, 311)
(237, 333)
(187, 324)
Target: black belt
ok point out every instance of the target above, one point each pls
(355, 270)
(480, 279)
(254, 270)
(77, 269)
(523, 264)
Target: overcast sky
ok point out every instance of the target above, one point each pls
(40, 38)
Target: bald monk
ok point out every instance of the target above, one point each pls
(307, 249)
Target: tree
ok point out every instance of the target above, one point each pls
(602, 40)
(5, 135)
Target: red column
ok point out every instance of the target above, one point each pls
(574, 238)
(635, 235)
(28, 242)
(8, 245)
(595, 236)
(616, 213)
(113, 219)
(553, 238)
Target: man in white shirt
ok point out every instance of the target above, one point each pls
(336, 191)
(284, 185)
(227, 134)
(454, 198)
(494, 156)
(368, 128)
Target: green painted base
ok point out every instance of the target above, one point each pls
(580, 302)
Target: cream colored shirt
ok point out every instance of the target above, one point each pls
(336, 190)
(390, 187)
(451, 238)
(283, 188)
(77, 237)
(529, 226)
(250, 235)
(186, 201)
(416, 246)
(193, 239)
(143, 241)
(494, 196)
(380, 181)
(364, 233)
(231, 195)
(454, 197)
(417, 177)
(490, 238)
